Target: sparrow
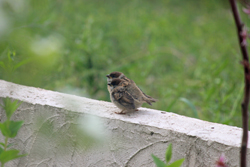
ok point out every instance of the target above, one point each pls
(120, 96)
(131, 87)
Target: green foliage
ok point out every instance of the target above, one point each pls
(169, 153)
(9, 155)
(171, 49)
(9, 129)
(191, 105)
(168, 157)
(9, 66)
(158, 162)
(10, 107)
(177, 163)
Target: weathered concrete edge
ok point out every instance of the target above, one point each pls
(207, 131)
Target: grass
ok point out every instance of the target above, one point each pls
(184, 53)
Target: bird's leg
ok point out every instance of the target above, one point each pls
(120, 112)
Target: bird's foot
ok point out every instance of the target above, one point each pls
(120, 112)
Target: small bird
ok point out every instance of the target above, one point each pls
(132, 88)
(130, 95)
(122, 98)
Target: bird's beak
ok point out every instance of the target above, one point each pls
(109, 84)
(107, 76)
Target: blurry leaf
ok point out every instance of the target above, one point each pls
(235, 104)
(2, 144)
(21, 63)
(169, 153)
(191, 105)
(9, 145)
(2, 65)
(229, 93)
(169, 107)
(1, 150)
(9, 155)
(9, 56)
(158, 162)
(10, 107)
(14, 126)
(4, 129)
(210, 92)
(10, 128)
(177, 163)
(220, 68)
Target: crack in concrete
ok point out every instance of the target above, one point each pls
(141, 149)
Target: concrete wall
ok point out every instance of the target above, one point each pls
(129, 140)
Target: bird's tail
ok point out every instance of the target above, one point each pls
(150, 100)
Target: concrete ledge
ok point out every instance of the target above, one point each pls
(132, 137)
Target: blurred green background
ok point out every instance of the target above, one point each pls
(183, 53)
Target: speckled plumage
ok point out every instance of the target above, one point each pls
(125, 94)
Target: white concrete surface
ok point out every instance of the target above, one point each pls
(130, 139)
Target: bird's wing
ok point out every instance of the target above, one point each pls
(123, 97)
